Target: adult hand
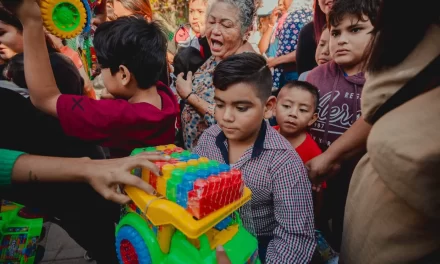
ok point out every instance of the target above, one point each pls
(321, 168)
(106, 175)
(271, 62)
(276, 12)
(222, 258)
(184, 87)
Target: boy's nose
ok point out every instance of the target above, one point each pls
(228, 116)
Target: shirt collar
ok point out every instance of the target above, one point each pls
(257, 148)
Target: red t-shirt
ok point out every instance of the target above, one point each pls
(307, 150)
(117, 124)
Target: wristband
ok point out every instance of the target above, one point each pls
(191, 93)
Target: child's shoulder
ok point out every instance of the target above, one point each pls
(323, 70)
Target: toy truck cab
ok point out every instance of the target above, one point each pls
(192, 214)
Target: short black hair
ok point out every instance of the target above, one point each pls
(67, 76)
(9, 18)
(134, 42)
(187, 60)
(358, 8)
(306, 86)
(249, 68)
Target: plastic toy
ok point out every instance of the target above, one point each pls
(67, 18)
(193, 213)
(18, 236)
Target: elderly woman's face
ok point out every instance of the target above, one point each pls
(223, 30)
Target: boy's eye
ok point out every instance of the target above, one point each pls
(242, 108)
(303, 110)
(355, 30)
(218, 105)
(286, 106)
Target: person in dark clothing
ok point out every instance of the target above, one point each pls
(309, 36)
(86, 216)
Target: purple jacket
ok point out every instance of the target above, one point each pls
(339, 104)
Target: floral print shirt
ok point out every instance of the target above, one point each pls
(193, 123)
(288, 37)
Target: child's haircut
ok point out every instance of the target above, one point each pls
(306, 86)
(134, 42)
(358, 8)
(249, 68)
(187, 60)
(67, 76)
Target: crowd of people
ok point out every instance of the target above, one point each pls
(332, 119)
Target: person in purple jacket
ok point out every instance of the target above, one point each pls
(340, 83)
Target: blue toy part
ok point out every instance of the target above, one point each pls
(88, 25)
(224, 224)
(129, 235)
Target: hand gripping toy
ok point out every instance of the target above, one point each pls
(193, 213)
(67, 18)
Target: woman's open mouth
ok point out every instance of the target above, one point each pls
(216, 45)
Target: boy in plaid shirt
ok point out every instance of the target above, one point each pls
(281, 210)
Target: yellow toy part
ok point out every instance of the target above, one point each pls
(163, 212)
(64, 18)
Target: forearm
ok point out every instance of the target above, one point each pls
(263, 45)
(43, 89)
(351, 143)
(288, 58)
(200, 105)
(30, 168)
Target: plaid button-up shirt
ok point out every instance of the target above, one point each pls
(281, 204)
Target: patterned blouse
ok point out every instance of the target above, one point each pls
(288, 37)
(193, 123)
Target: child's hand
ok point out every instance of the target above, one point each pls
(222, 258)
(184, 87)
(28, 11)
(106, 175)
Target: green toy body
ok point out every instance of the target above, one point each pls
(18, 236)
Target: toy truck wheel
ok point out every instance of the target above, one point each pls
(64, 18)
(131, 248)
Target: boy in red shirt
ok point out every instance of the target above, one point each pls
(131, 52)
(296, 111)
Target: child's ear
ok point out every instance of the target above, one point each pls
(269, 107)
(313, 120)
(125, 75)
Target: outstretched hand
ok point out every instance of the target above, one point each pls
(321, 168)
(106, 175)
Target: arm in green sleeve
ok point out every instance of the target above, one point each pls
(7, 161)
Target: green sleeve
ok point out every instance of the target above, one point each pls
(7, 161)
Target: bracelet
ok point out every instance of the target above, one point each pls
(191, 93)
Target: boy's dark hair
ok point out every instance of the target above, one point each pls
(67, 76)
(187, 60)
(358, 8)
(306, 86)
(249, 68)
(134, 42)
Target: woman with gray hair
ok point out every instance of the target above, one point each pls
(227, 25)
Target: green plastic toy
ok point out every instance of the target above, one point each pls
(18, 236)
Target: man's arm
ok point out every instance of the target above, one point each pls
(294, 240)
(43, 89)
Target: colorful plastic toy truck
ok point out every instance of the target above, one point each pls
(67, 18)
(18, 236)
(193, 213)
